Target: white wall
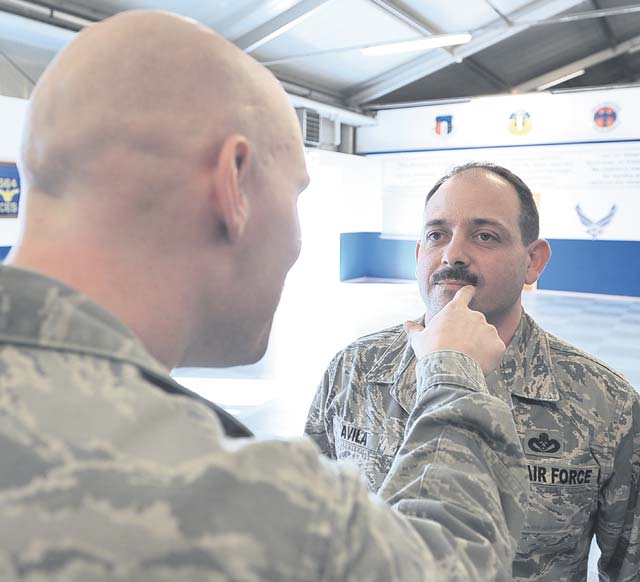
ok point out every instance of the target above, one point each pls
(12, 112)
(484, 121)
(344, 194)
(594, 176)
(565, 157)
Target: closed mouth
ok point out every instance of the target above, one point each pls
(456, 282)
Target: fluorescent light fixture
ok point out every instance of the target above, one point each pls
(420, 44)
(634, 49)
(561, 80)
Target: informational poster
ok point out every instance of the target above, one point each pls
(9, 190)
(9, 205)
(578, 152)
(584, 191)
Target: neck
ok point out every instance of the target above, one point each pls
(152, 312)
(506, 323)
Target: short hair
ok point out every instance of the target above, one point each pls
(529, 217)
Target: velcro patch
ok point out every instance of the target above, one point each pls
(544, 442)
(578, 476)
(356, 436)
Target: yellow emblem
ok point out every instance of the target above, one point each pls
(7, 195)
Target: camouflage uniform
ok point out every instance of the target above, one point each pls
(107, 473)
(579, 422)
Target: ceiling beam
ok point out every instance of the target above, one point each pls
(403, 16)
(612, 40)
(23, 30)
(432, 62)
(429, 29)
(49, 13)
(605, 26)
(499, 12)
(585, 63)
(18, 68)
(278, 25)
(590, 14)
(489, 76)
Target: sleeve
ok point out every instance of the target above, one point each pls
(458, 485)
(319, 426)
(618, 526)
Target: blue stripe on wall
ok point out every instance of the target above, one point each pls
(609, 267)
(4, 251)
(584, 266)
(367, 254)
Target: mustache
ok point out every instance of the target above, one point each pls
(454, 274)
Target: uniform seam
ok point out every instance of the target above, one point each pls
(589, 358)
(59, 347)
(612, 447)
(504, 470)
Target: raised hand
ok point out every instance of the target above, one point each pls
(458, 328)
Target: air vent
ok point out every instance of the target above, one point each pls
(310, 125)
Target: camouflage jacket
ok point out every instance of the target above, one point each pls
(105, 475)
(579, 422)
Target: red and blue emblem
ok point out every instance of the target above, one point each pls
(605, 117)
(444, 124)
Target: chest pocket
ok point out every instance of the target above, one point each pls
(562, 498)
(373, 453)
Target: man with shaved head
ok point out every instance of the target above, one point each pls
(162, 168)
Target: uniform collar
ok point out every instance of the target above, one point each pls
(390, 366)
(36, 310)
(526, 369)
(396, 366)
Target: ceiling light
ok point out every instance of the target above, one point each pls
(561, 80)
(634, 49)
(420, 44)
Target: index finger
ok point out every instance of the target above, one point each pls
(464, 295)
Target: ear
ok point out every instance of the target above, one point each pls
(417, 250)
(539, 254)
(231, 204)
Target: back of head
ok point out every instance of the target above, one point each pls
(121, 159)
(140, 83)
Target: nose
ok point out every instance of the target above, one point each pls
(455, 253)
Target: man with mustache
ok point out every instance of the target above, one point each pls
(578, 420)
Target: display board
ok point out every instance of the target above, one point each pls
(578, 152)
(584, 191)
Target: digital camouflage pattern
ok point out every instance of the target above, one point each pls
(108, 473)
(579, 422)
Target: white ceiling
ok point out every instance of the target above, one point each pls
(512, 49)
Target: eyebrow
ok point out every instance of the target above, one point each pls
(489, 222)
(474, 222)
